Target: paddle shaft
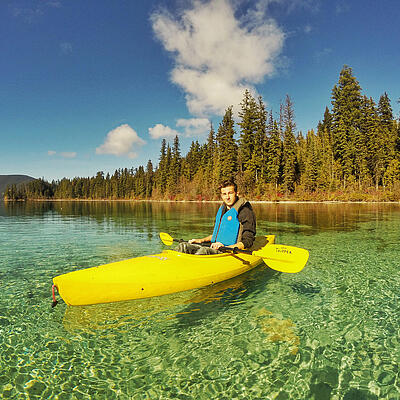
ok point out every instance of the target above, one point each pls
(234, 250)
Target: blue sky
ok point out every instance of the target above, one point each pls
(95, 85)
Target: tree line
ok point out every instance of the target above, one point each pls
(353, 154)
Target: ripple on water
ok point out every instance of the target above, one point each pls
(329, 332)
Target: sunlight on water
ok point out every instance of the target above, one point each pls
(331, 331)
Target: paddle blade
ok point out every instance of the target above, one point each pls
(283, 258)
(166, 238)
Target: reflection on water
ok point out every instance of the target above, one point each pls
(329, 332)
(300, 217)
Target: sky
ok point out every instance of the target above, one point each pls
(95, 85)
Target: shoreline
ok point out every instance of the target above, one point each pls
(203, 201)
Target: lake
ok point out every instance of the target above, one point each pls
(331, 331)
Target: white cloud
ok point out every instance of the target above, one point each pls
(33, 10)
(342, 7)
(194, 126)
(217, 55)
(28, 14)
(65, 48)
(161, 131)
(323, 54)
(64, 154)
(121, 141)
(308, 29)
(68, 154)
(55, 4)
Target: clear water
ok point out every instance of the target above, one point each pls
(331, 331)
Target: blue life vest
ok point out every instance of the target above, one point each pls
(227, 226)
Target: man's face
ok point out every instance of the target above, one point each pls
(228, 195)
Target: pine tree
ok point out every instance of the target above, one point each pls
(98, 186)
(192, 161)
(261, 141)
(248, 127)
(374, 140)
(273, 150)
(162, 170)
(311, 161)
(392, 174)
(139, 188)
(149, 181)
(208, 163)
(385, 111)
(388, 126)
(175, 168)
(360, 169)
(226, 165)
(326, 124)
(170, 183)
(346, 116)
(326, 175)
(301, 156)
(289, 146)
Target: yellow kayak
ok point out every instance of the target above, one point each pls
(153, 275)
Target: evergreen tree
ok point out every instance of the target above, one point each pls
(273, 150)
(149, 181)
(208, 162)
(326, 124)
(226, 165)
(139, 188)
(301, 151)
(385, 111)
(261, 142)
(107, 187)
(388, 128)
(162, 170)
(98, 186)
(310, 170)
(170, 183)
(192, 161)
(326, 175)
(248, 127)
(392, 174)
(289, 146)
(374, 140)
(175, 168)
(346, 116)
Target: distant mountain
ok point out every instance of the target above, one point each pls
(12, 180)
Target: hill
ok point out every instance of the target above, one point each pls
(12, 180)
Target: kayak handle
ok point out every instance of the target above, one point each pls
(55, 302)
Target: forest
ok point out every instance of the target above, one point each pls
(352, 155)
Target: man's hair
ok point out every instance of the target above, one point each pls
(226, 183)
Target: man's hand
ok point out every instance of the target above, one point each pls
(216, 245)
(195, 241)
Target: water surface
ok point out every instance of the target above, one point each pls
(331, 331)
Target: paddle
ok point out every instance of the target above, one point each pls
(276, 256)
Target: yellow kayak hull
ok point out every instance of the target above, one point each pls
(153, 275)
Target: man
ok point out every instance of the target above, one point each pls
(235, 224)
